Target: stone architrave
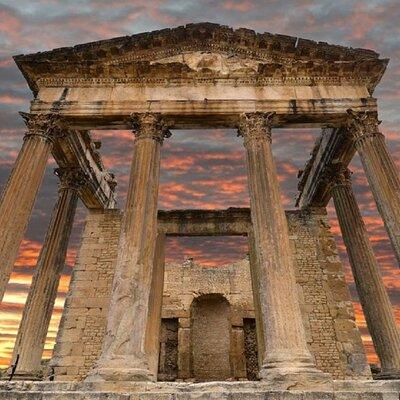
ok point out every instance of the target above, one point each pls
(374, 299)
(287, 361)
(39, 306)
(124, 356)
(20, 192)
(380, 169)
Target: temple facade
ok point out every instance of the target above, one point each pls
(282, 320)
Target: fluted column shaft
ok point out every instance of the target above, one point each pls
(20, 192)
(380, 170)
(374, 299)
(287, 358)
(124, 356)
(39, 306)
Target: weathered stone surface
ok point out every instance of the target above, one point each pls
(39, 306)
(380, 170)
(268, 55)
(374, 299)
(324, 298)
(127, 353)
(349, 390)
(19, 193)
(203, 75)
(287, 361)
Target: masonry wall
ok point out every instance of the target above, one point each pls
(83, 322)
(325, 300)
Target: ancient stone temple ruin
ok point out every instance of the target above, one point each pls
(279, 321)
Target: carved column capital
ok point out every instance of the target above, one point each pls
(362, 125)
(149, 126)
(255, 126)
(71, 178)
(337, 175)
(47, 126)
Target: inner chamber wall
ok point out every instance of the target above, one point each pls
(332, 334)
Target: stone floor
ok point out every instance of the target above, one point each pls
(342, 390)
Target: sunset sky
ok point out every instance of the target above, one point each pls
(200, 168)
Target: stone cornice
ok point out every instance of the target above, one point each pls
(136, 56)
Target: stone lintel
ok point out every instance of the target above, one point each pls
(78, 150)
(205, 113)
(229, 222)
(332, 146)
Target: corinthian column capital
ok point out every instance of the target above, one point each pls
(71, 178)
(47, 126)
(255, 126)
(149, 126)
(362, 125)
(337, 175)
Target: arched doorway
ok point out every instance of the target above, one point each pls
(210, 338)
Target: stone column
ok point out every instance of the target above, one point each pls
(371, 291)
(184, 357)
(152, 345)
(287, 360)
(124, 356)
(381, 172)
(39, 306)
(20, 192)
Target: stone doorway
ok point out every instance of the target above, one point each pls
(210, 340)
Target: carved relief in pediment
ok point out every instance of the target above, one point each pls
(216, 62)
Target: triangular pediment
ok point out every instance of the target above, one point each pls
(203, 49)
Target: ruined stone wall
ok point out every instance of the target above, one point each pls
(325, 301)
(83, 322)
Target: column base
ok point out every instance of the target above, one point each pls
(121, 370)
(23, 376)
(295, 375)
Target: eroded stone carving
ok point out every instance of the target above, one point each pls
(362, 125)
(48, 126)
(216, 62)
(256, 126)
(71, 178)
(149, 126)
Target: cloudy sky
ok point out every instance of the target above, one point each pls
(200, 169)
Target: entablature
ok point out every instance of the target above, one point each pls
(332, 147)
(78, 150)
(207, 113)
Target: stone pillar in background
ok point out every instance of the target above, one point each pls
(371, 291)
(380, 170)
(255, 285)
(20, 192)
(39, 306)
(124, 356)
(184, 371)
(152, 344)
(287, 361)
